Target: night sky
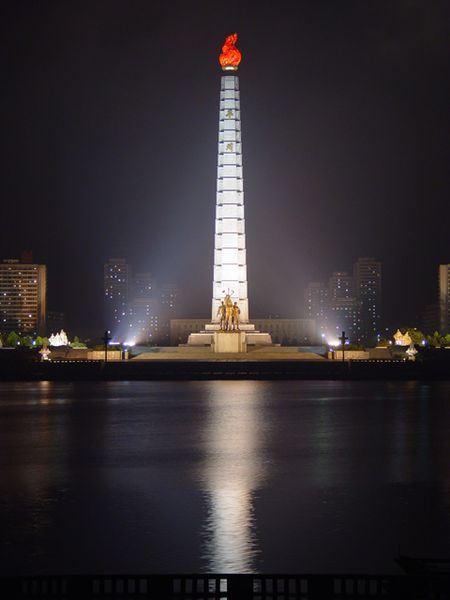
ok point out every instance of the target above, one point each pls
(109, 116)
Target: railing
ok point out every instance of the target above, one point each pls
(227, 587)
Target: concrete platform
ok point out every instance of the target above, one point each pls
(205, 353)
(253, 338)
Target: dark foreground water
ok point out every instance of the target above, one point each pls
(222, 476)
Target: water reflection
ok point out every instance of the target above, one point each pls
(409, 433)
(222, 476)
(35, 444)
(232, 470)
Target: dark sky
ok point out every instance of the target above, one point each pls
(109, 116)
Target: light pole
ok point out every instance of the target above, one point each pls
(343, 339)
(106, 339)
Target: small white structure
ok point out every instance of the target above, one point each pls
(58, 339)
(411, 352)
(45, 353)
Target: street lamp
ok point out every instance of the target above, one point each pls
(343, 339)
(106, 339)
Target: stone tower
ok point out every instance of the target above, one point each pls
(230, 264)
(230, 260)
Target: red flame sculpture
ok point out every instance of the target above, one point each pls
(231, 56)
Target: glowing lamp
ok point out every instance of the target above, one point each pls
(230, 57)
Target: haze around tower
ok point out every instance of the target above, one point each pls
(109, 144)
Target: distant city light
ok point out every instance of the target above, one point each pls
(130, 343)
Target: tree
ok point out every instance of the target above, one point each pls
(435, 340)
(27, 341)
(12, 339)
(77, 343)
(416, 336)
(39, 341)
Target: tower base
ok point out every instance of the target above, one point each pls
(252, 337)
(229, 342)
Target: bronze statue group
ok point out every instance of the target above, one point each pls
(229, 315)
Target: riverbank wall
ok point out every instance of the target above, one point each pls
(222, 369)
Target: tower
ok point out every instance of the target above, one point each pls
(230, 264)
(230, 260)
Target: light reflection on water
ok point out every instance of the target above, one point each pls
(231, 472)
(217, 476)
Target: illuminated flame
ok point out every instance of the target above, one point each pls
(231, 56)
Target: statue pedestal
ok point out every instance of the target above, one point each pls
(247, 327)
(252, 337)
(229, 342)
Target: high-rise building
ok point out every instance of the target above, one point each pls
(430, 318)
(168, 295)
(117, 280)
(348, 303)
(344, 315)
(444, 298)
(55, 321)
(367, 281)
(344, 312)
(316, 306)
(143, 314)
(341, 285)
(168, 308)
(142, 321)
(23, 297)
(143, 285)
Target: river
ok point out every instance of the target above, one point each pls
(222, 476)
